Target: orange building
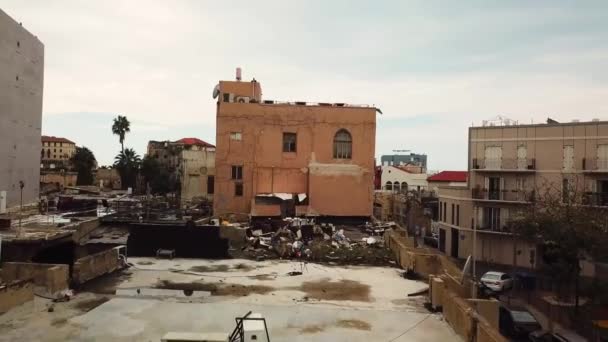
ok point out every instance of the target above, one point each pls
(285, 159)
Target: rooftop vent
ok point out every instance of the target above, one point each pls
(238, 74)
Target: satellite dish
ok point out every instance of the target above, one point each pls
(216, 91)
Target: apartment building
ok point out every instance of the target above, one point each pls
(292, 158)
(56, 152)
(509, 166)
(404, 159)
(21, 83)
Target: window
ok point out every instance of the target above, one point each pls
(238, 189)
(396, 186)
(54, 150)
(226, 97)
(237, 172)
(389, 186)
(404, 186)
(343, 144)
(289, 142)
(210, 185)
(445, 214)
(440, 211)
(491, 218)
(453, 212)
(458, 214)
(568, 157)
(237, 136)
(565, 190)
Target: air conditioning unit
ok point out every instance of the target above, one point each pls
(243, 99)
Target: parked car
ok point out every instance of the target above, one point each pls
(546, 336)
(517, 323)
(497, 281)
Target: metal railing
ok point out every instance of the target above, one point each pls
(595, 164)
(522, 164)
(596, 199)
(503, 195)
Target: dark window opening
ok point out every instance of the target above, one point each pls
(226, 97)
(458, 214)
(343, 145)
(210, 185)
(453, 213)
(289, 142)
(238, 189)
(18, 44)
(237, 172)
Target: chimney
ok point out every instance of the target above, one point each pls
(238, 73)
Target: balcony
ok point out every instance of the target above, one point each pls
(514, 196)
(599, 199)
(504, 164)
(595, 165)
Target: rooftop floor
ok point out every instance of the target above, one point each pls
(325, 303)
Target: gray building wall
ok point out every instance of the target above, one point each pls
(396, 159)
(21, 83)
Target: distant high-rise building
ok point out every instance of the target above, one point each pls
(21, 81)
(404, 159)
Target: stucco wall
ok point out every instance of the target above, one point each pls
(340, 187)
(47, 278)
(21, 82)
(15, 294)
(196, 166)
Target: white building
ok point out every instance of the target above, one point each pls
(399, 179)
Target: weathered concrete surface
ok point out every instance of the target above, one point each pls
(21, 82)
(95, 265)
(325, 303)
(48, 279)
(15, 294)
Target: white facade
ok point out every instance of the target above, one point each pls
(396, 179)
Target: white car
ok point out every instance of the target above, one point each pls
(497, 281)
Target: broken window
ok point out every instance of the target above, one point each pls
(343, 144)
(289, 142)
(237, 172)
(236, 136)
(210, 185)
(238, 189)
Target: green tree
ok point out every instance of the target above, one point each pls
(567, 228)
(127, 163)
(83, 162)
(156, 176)
(121, 127)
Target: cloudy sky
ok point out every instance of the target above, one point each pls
(434, 68)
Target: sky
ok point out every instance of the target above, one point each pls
(433, 68)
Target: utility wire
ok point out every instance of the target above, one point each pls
(410, 328)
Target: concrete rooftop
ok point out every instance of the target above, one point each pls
(325, 303)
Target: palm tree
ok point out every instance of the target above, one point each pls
(127, 164)
(83, 161)
(121, 127)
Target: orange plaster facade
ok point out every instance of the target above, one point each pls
(250, 134)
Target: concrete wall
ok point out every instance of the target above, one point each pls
(95, 265)
(15, 294)
(48, 278)
(335, 187)
(196, 167)
(21, 82)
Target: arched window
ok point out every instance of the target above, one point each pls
(404, 186)
(389, 186)
(343, 144)
(396, 186)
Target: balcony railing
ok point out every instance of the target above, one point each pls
(595, 164)
(596, 199)
(504, 164)
(503, 195)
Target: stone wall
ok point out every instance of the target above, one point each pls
(15, 294)
(95, 265)
(48, 279)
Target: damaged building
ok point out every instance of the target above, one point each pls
(292, 158)
(190, 163)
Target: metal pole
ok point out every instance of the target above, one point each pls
(474, 254)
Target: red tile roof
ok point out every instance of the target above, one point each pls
(449, 176)
(47, 138)
(194, 141)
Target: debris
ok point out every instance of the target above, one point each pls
(294, 273)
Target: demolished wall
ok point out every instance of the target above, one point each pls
(95, 265)
(15, 294)
(48, 279)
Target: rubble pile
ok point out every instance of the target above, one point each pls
(301, 238)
